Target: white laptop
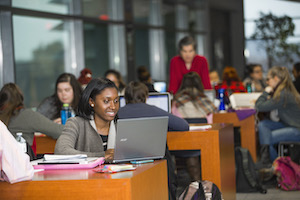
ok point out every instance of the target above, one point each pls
(244, 100)
(211, 94)
(161, 100)
(140, 139)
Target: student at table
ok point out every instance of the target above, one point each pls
(136, 94)
(191, 102)
(116, 77)
(281, 95)
(93, 131)
(255, 78)
(67, 90)
(231, 81)
(296, 73)
(187, 61)
(19, 119)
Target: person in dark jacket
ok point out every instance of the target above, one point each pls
(136, 94)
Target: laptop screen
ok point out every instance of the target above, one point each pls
(161, 100)
(140, 138)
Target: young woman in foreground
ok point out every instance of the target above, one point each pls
(92, 132)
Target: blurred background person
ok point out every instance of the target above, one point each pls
(231, 81)
(214, 78)
(67, 91)
(255, 78)
(144, 76)
(296, 73)
(116, 77)
(281, 95)
(190, 100)
(17, 118)
(185, 62)
(85, 77)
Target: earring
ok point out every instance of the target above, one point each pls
(92, 105)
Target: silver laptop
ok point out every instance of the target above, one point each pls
(141, 139)
(161, 100)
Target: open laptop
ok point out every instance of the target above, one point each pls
(140, 139)
(244, 100)
(161, 100)
(211, 94)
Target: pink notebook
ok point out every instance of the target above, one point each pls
(88, 165)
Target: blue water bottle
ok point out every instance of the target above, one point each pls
(64, 113)
(221, 97)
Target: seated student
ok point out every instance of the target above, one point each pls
(144, 76)
(67, 90)
(296, 73)
(214, 78)
(19, 119)
(190, 100)
(136, 94)
(93, 131)
(231, 81)
(255, 78)
(282, 95)
(116, 77)
(14, 163)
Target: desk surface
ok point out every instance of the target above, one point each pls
(148, 181)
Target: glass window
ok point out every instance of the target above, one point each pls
(96, 48)
(57, 6)
(96, 8)
(40, 54)
(142, 48)
(169, 16)
(171, 48)
(141, 11)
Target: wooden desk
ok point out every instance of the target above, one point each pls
(247, 127)
(217, 154)
(44, 144)
(149, 181)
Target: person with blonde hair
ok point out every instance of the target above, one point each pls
(281, 95)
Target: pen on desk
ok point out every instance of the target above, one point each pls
(141, 161)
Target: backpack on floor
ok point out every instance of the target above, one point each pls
(201, 190)
(247, 179)
(287, 172)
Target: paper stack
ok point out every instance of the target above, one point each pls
(68, 159)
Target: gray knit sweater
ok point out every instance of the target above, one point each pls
(28, 122)
(288, 109)
(79, 137)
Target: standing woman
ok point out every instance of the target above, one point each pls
(67, 90)
(280, 94)
(92, 131)
(186, 62)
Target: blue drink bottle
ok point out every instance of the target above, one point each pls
(64, 113)
(221, 97)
